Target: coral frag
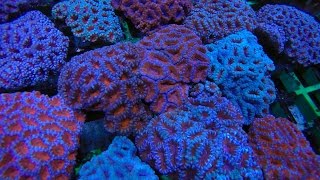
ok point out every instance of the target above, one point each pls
(90, 20)
(147, 15)
(282, 150)
(31, 51)
(38, 136)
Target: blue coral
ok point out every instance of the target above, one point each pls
(90, 20)
(32, 51)
(240, 67)
(301, 30)
(118, 162)
(199, 140)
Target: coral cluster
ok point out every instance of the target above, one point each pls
(174, 57)
(118, 162)
(239, 67)
(150, 14)
(38, 136)
(213, 20)
(107, 79)
(202, 140)
(31, 51)
(90, 20)
(282, 150)
(301, 30)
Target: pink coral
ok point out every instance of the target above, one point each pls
(150, 14)
(38, 136)
(282, 150)
(174, 57)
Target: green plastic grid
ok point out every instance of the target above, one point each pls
(304, 101)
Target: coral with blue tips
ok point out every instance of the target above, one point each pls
(213, 20)
(90, 20)
(118, 162)
(301, 31)
(239, 67)
(203, 139)
(32, 51)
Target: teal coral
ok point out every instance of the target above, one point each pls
(118, 162)
(90, 20)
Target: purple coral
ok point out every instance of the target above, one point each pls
(301, 30)
(107, 79)
(213, 20)
(90, 20)
(31, 51)
(239, 67)
(150, 14)
(199, 141)
(174, 57)
(38, 136)
(275, 35)
(118, 162)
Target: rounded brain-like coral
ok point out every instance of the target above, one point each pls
(90, 20)
(150, 14)
(282, 150)
(118, 162)
(103, 79)
(38, 136)
(107, 79)
(239, 67)
(174, 57)
(301, 30)
(32, 51)
(273, 35)
(202, 140)
(214, 19)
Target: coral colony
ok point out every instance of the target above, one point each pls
(176, 103)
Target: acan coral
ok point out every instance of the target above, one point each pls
(273, 35)
(301, 30)
(213, 20)
(174, 57)
(282, 150)
(150, 14)
(118, 162)
(90, 20)
(38, 136)
(239, 67)
(31, 51)
(11, 8)
(107, 79)
(202, 140)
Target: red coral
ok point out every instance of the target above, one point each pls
(174, 56)
(282, 150)
(38, 136)
(150, 14)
